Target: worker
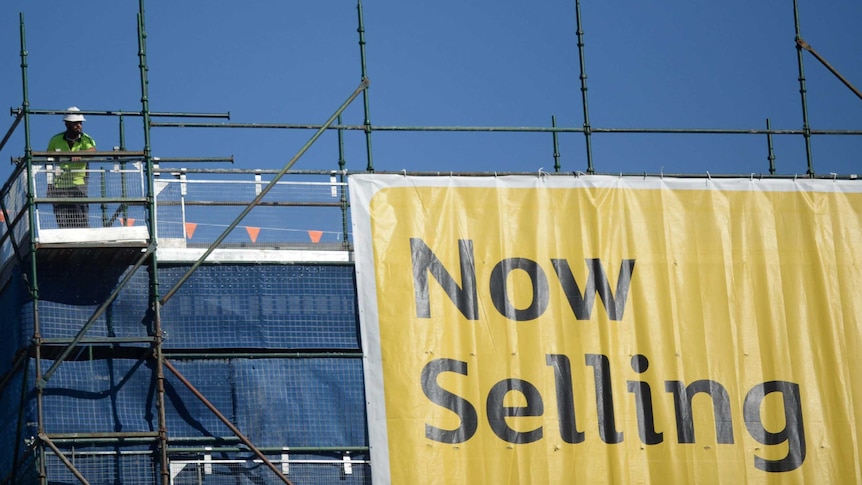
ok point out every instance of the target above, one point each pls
(71, 181)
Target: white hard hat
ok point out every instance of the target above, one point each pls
(72, 116)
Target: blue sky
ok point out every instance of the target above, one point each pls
(673, 64)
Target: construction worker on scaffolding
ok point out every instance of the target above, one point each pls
(71, 181)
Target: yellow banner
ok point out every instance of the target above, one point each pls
(600, 330)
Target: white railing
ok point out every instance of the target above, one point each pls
(193, 209)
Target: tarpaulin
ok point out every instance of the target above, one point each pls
(596, 329)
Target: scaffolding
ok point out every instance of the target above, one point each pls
(145, 240)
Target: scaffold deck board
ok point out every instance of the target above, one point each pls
(94, 236)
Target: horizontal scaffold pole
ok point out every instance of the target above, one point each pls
(511, 129)
(128, 113)
(192, 159)
(110, 155)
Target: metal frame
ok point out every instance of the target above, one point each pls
(150, 259)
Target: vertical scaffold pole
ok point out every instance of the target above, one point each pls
(771, 156)
(123, 188)
(583, 76)
(153, 268)
(33, 280)
(365, 103)
(556, 144)
(806, 129)
(342, 168)
(28, 150)
(22, 403)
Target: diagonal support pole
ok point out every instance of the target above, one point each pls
(227, 422)
(18, 117)
(62, 457)
(362, 87)
(81, 333)
(805, 45)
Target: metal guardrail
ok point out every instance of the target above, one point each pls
(304, 210)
